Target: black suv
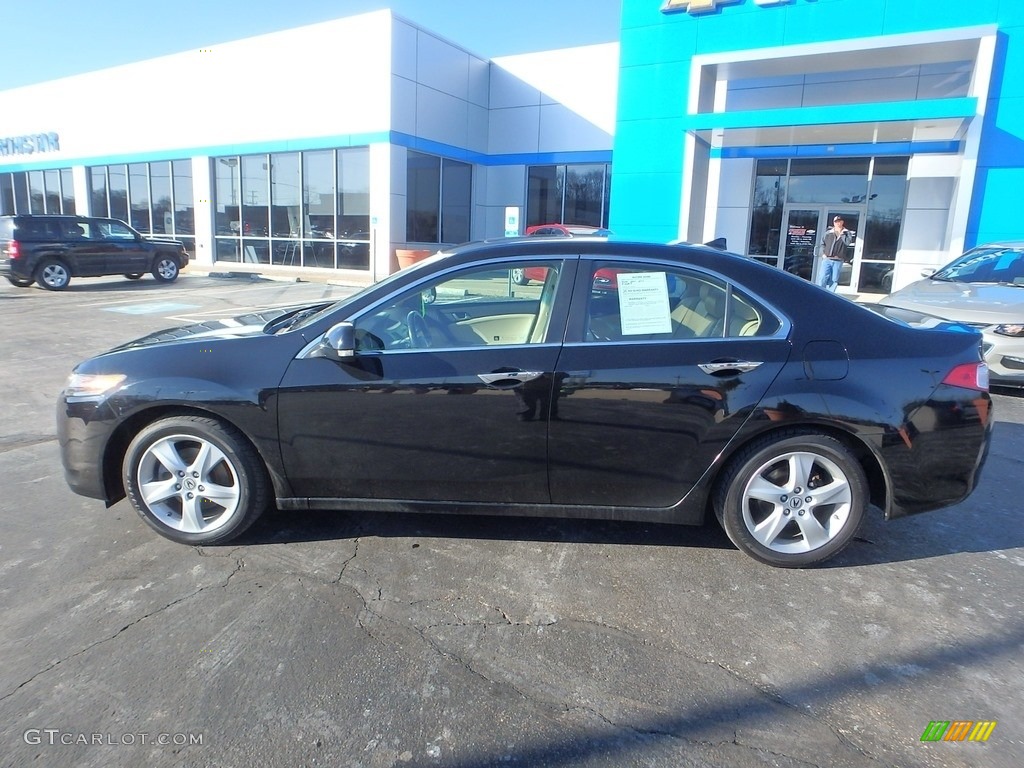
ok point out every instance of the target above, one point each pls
(50, 250)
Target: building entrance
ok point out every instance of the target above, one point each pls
(803, 229)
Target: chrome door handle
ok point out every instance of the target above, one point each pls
(728, 366)
(519, 377)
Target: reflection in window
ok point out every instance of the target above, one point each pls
(424, 198)
(138, 195)
(766, 208)
(160, 186)
(828, 180)
(439, 199)
(184, 201)
(36, 192)
(255, 191)
(885, 207)
(117, 190)
(294, 209)
(98, 191)
(568, 194)
(67, 185)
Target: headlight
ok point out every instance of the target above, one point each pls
(92, 384)
(1009, 329)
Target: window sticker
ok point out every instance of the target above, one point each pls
(643, 303)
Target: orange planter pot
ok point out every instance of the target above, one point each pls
(407, 257)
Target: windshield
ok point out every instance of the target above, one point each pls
(987, 264)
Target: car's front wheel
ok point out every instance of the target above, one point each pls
(53, 275)
(792, 500)
(519, 277)
(195, 480)
(21, 282)
(165, 269)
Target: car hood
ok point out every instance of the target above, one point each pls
(966, 302)
(250, 324)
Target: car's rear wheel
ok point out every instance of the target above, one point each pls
(53, 275)
(195, 480)
(165, 269)
(134, 275)
(519, 277)
(21, 282)
(792, 500)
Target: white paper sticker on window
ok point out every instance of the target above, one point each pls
(643, 303)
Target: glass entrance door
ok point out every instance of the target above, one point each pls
(805, 226)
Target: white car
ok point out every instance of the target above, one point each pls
(983, 288)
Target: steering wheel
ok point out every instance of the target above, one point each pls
(419, 335)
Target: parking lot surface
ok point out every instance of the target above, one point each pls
(339, 639)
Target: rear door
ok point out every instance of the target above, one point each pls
(660, 368)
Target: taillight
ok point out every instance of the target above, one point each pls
(969, 376)
(14, 250)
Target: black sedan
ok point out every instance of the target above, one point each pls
(704, 383)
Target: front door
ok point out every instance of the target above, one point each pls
(805, 226)
(448, 400)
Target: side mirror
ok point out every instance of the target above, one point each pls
(928, 271)
(339, 343)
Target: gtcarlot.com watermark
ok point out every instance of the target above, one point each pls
(56, 737)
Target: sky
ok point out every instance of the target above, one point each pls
(48, 39)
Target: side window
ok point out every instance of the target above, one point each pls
(474, 307)
(630, 303)
(115, 230)
(80, 230)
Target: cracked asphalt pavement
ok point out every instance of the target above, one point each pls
(335, 639)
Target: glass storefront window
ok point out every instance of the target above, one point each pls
(456, 200)
(568, 194)
(228, 219)
(285, 188)
(138, 196)
(117, 185)
(67, 185)
(584, 195)
(544, 190)
(255, 190)
(828, 180)
(766, 208)
(424, 198)
(318, 196)
(36, 192)
(160, 187)
(98, 190)
(439, 199)
(184, 200)
(293, 209)
(51, 183)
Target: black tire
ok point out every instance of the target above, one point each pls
(53, 275)
(165, 269)
(21, 282)
(807, 504)
(134, 275)
(172, 467)
(519, 277)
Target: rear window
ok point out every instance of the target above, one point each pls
(6, 229)
(32, 228)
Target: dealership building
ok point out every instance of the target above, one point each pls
(329, 147)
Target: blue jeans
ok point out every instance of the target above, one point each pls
(828, 276)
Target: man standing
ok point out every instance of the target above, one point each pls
(833, 253)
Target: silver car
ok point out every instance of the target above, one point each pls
(983, 288)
